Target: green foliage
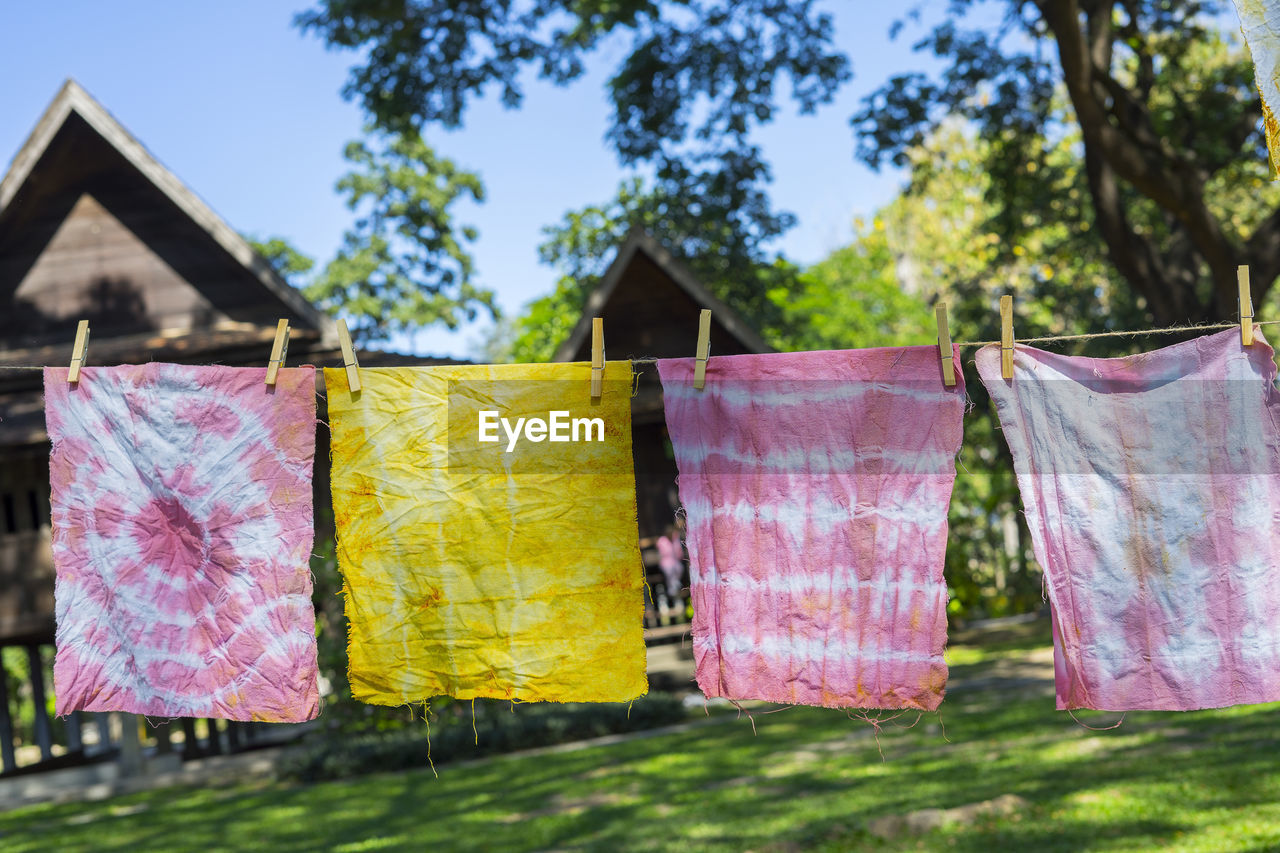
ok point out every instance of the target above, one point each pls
(1163, 117)
(17, 668)
(1161, 110)
(404, 263)
(291, 264)
(698, 77)
(425, 59)
(850, 299)
(945, 228)
(496, 728)
(545, 323)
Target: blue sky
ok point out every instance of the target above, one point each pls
(247, 111)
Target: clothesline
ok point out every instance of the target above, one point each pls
(1046, 339)
(820, 596)
(1166, 331)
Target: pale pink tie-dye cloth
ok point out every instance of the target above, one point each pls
(816, 488)
(1151, 485)
(182, 531)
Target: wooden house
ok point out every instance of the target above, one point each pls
(93, 227)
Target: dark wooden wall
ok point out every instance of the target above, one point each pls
(95, 268)
(649, 315)
(88, 236)
(26, 562)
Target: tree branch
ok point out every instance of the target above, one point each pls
(1117, 129)
(1132, 254)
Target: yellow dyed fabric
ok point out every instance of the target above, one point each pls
(471, 571)
(1260, 23)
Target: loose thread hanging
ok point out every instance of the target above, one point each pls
(874, 722)
(916, 722)
(1114, 725)
(430, 763)
(741, 711)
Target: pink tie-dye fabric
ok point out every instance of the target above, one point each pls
(182, 531)
(1150, 485)
(816, 488)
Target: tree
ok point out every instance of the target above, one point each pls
(1012, 210)
(403, 264)
(698, 77)
(1166, 116)
(945, 229)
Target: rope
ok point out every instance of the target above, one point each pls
(1166, 331)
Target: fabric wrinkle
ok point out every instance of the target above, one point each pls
(1150, 529)
(467, 568)
(183, 584)
(826, 516)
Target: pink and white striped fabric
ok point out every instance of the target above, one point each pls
(816, 488)
(1151, 486)
(182, 531)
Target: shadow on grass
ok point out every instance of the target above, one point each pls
(808, 779)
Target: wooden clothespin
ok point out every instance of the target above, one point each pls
(278, 351)
(1246, 305)
(79, 351)
(1006, 336)
(349, 357)
(704, 349)
(945, 352)
(597, 357)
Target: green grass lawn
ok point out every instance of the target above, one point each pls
(806, 779)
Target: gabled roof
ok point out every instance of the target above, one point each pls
(72, 100)
(640, 241)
